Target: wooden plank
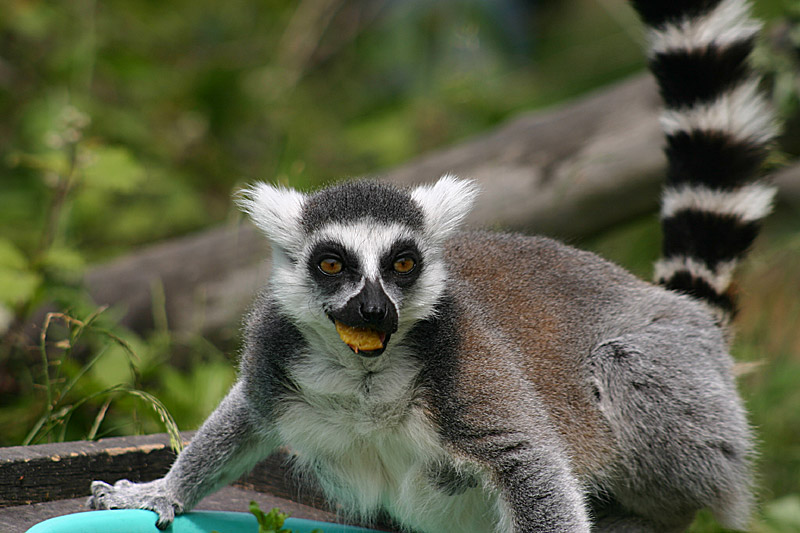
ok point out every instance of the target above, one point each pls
(45, 472)
(60, 471)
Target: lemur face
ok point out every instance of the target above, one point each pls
(362, 273)
(359, 262)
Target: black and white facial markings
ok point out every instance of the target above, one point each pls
(367, 255)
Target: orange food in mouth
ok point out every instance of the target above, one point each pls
(360, 339)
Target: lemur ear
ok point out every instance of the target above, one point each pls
(275, 211)
(445, 204)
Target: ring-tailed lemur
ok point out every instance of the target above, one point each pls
(466, 381)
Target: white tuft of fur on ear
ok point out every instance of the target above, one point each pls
(275, 211)
(445, 204)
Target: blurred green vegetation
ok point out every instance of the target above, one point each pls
(126, 122)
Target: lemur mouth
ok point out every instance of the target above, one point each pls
(364, 341)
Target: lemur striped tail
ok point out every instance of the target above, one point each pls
(718, 128)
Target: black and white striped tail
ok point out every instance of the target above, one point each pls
(718, 128)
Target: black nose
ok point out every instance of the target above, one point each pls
(369, 308)
(373, 312)
(373, 307)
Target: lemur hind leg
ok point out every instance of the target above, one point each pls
(684, 444)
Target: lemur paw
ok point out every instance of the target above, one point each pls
(127, 495)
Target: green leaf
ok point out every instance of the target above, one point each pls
(50, 161)
(63, 259)
(11, 256)
(271, 522)
(112, 168)
(115, 367)
(783, 514)
(18, 284)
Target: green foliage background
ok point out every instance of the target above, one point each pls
(126, 122)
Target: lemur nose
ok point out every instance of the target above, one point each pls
(372, 313)
(371, 307)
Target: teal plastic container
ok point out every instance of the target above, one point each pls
(140, 521)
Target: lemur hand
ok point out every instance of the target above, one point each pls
(127, 495)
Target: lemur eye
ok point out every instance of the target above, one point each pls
(330, 266)
(404, 265)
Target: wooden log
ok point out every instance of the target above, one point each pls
(207, 279)
(567, 172)
(788, 182)
(64, 470)
(46, 472)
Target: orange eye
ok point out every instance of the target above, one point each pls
(404, 265)
(330, 266)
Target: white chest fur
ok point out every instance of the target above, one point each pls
(366, 438)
